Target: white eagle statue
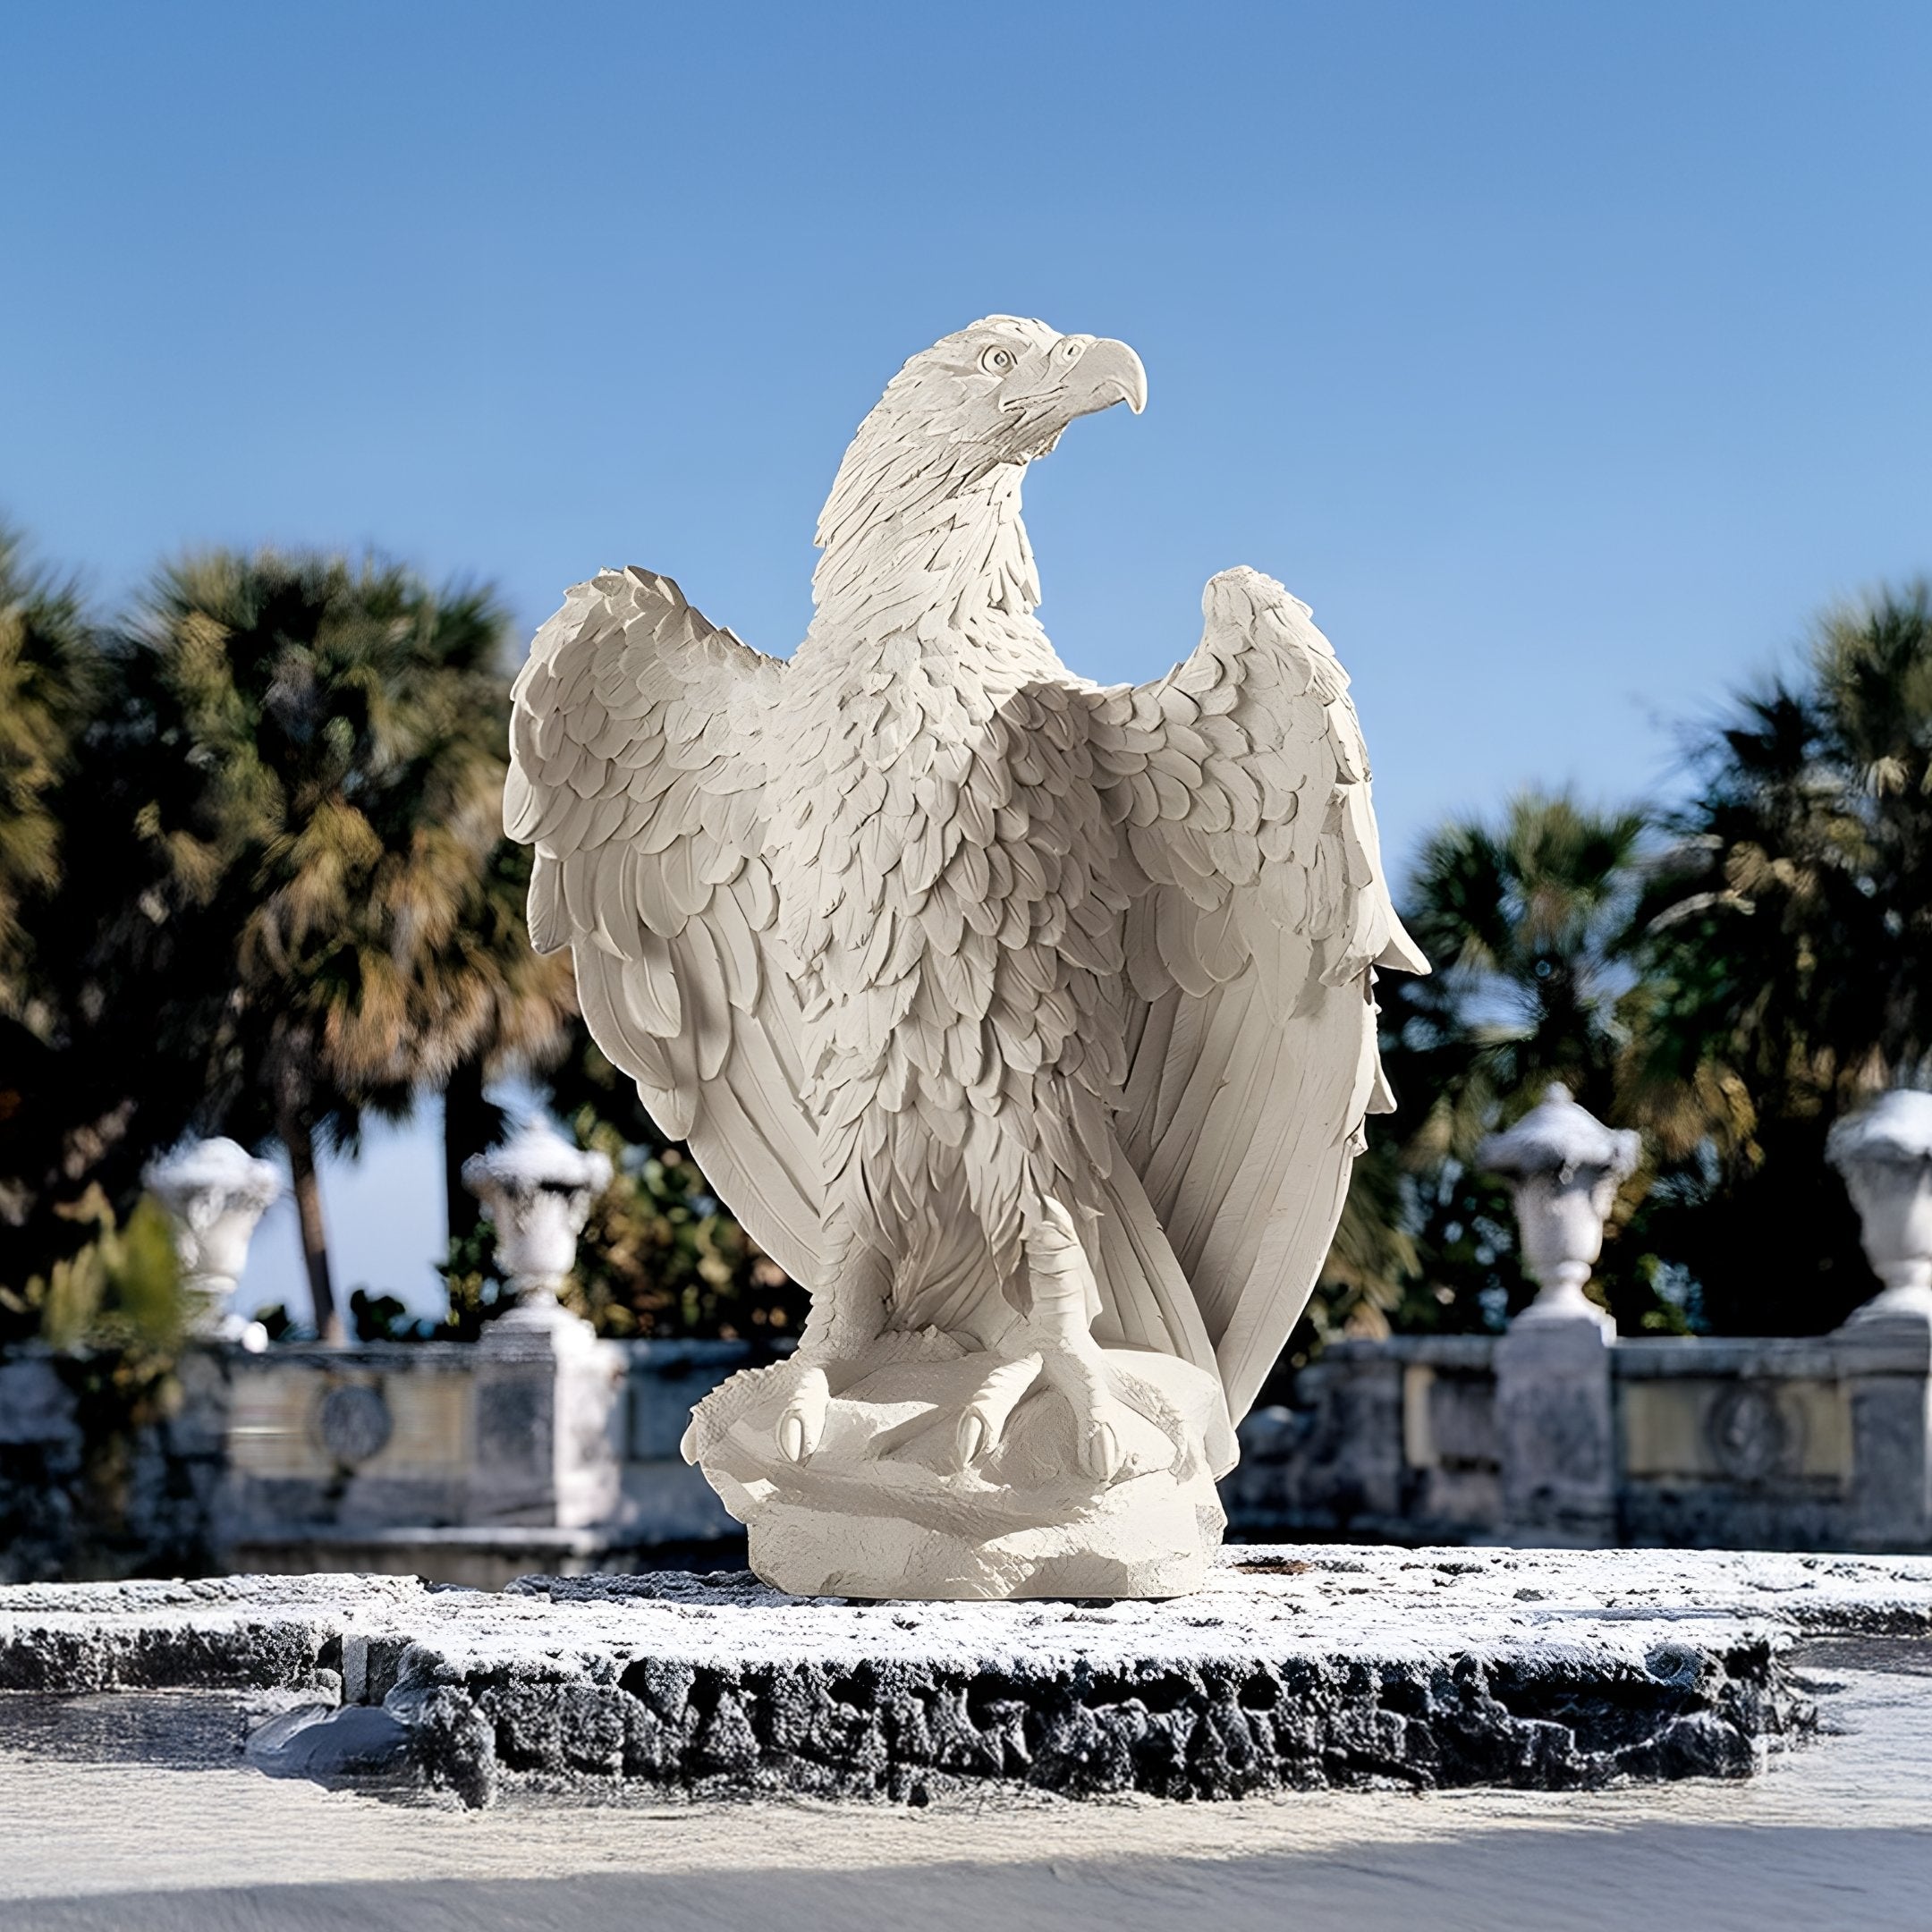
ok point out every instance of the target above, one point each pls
(1027, 1022)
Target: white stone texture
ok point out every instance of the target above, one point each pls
(1027, 1022)
(216, 1192)
(1885, 1153)
(537, 1189)
(1564, 1167)
(1292, 1667)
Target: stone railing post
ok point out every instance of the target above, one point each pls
(1556, 1421)
(537, 1190)
(1885, 1153)
(549, 1409)
(215, 1193)
(1563, 1166)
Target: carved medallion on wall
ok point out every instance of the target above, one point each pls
(353, 1422)
(1750, 1434)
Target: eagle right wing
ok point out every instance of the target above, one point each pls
(1259, 910)
(637, 770)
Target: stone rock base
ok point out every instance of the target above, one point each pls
(883, 1507)
(1292, 1669)
(1159, 1546)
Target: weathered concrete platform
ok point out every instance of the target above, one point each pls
(1297, 1668)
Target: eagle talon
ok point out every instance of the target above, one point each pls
(983, 1424)
(1100, 1452)
(801, 1426)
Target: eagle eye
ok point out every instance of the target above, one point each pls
(996, 361)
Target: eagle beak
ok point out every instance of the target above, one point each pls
(1107, 372)
(1083, 374)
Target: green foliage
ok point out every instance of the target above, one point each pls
(290, 792)
(120, 1291)
(61, 1113)
(384, 1317)
(1530, 924)
(49, 678)
(326, 744)
(322, 766)
(1730, 985)
(474, 1283)
(521, 1015)
(114, 1316)
(659, 1255)
(297, 908)
(1789, 963)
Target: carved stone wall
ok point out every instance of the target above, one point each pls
(450, 1460)
(466, 1464)
(1820, 1443)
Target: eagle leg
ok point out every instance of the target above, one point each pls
(1057, 1325)
(846, 1316)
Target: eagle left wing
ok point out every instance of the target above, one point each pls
(638, 767)
(1240, 786)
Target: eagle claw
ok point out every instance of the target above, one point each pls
(801, 1425)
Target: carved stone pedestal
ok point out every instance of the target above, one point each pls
(215, 1193)
(884, 1508)
(549, 1423)
(1557, 1430)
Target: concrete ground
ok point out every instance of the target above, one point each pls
(98, 1833)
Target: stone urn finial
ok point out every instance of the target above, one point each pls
(215, 1193)
(1885, 1153)
(537, 1189)
(1563, 1166)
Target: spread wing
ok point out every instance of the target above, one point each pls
(1240, 785)
(637, 771)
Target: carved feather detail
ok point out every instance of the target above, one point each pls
(918, 938)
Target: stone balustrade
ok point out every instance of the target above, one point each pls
(460, 1464)
(449, 1459)
(544, 1448)
(1764, 1443)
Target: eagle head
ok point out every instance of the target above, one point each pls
(1001, 390)
(944, 448)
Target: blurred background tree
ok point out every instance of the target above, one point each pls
(112, 1316)
(49, 681)
(253, 880)
(1730, 978)
(1788, 967)
(318, 803)
(519, 1014)
(89, 1083)
(1530, 925)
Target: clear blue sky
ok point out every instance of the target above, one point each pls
(1564, 357)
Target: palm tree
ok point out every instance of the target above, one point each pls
(1530, 924)
(103, 1019)
(49, 684)
(509, 1009)
(321, 778)
(1789, 966)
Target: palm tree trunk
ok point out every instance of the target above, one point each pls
(470, 1122)
(300, 1145)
